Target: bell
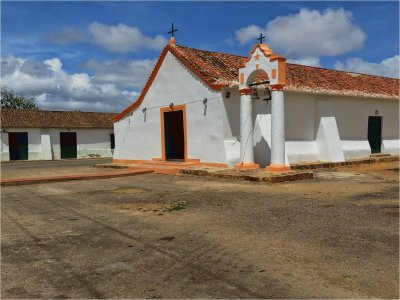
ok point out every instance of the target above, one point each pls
(267, 94)
(254, 94)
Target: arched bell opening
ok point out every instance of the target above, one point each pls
(259, 83)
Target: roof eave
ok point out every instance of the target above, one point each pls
(327, 92)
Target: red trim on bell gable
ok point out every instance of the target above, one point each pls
(266, 51)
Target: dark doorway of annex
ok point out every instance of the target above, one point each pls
(174, 135)
(375, 133)
(68, 145)
(18, 145)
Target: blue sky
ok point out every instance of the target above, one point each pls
(97, 55)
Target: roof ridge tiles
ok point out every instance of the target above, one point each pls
(288, 63)
(219, 52)
(25, 118)
(344, 71)
(62, 111)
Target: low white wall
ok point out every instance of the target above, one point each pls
(356, 149)
(391, 146)
(45, 143)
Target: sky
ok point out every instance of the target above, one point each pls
(97, 55)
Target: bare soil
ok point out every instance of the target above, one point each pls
(162, 236)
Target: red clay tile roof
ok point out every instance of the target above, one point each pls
(223, 69)
(21, 118)
(219, 70)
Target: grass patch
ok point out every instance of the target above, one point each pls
(177, 205)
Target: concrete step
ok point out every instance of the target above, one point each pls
(379, 155)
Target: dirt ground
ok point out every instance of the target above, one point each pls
(29, 169)
(162, 236)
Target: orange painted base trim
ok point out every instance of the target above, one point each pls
(211, 164)
(247, 166)
(160, 161)
(278, 168)
(196, 160)
(33, 180)
(128, 161)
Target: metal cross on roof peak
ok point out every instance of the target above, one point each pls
(173, 30)
(261, 38)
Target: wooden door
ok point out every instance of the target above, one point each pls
(18, 145)
(68, 145)
(375, 133)
(174, 135)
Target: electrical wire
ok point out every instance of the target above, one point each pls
(145, 109)
(205, 101)
(184, 103)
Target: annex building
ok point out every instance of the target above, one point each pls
(247, 112)
(39, 134)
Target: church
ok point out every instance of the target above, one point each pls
(226, 110)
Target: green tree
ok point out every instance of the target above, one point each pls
(10, 100)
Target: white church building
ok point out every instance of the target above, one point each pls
(256, 111)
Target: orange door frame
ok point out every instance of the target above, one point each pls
(169, 109)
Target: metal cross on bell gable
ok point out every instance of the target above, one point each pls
(261, 38)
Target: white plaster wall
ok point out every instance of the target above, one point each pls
(138, 137)
(300, 114)
(351, 114)
(90, 141)
(47, 151)
(391, 146)
(55, 141)
(34, 143)
(262, 132)
(94, 141)
(231, 126)
(5, 155)
(356, 149)
(344, 122)
(300, 128)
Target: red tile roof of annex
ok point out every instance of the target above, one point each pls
(23, 118)
(219, 70)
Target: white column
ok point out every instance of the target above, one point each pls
(246, 128)
(278, 129)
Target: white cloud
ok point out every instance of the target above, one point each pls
(57, 89)
(307, 61)
(66, 35)
(388, 67)
(308, 34)
(246, 34)
(131, 73)
(123, 38)
(114, 38)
